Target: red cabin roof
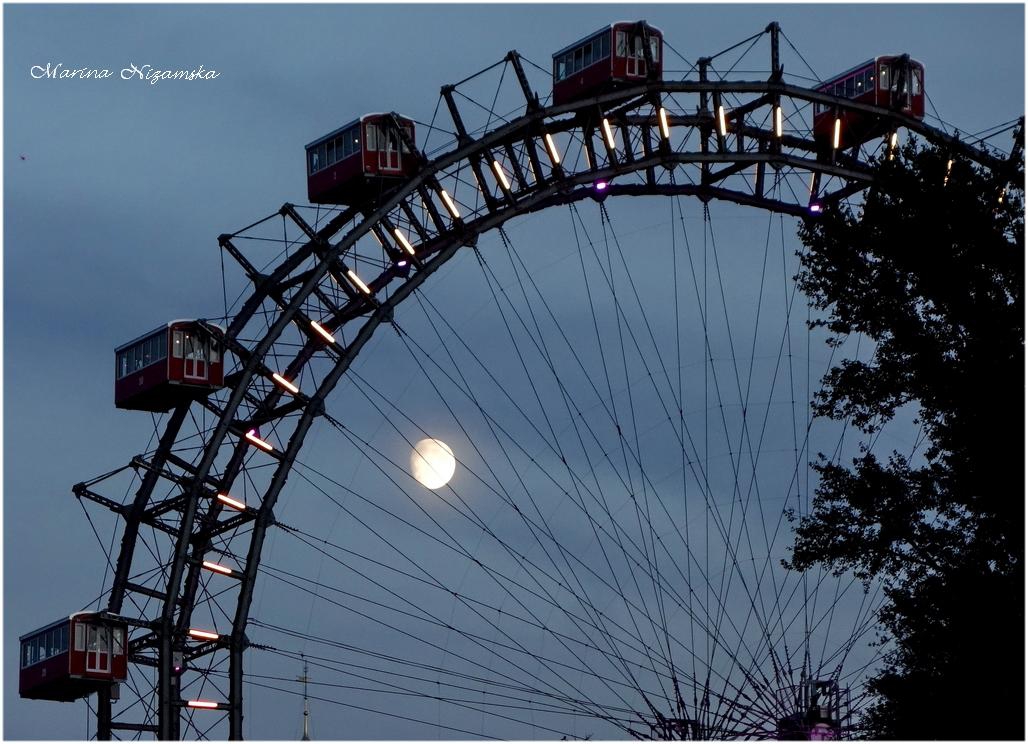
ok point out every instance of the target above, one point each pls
(873, 61)
(609, 27)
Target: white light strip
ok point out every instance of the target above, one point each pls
(501, 177)
(217, 567)
(722, 122)
(837, 139)
(949, 167)
(778, 121)
(357, 282)
(813, 178)
(285, 383)
(252, 437)
(551, 146)
(665, 129)
(403, 241)
(450, 206)
(205, 635)
(324, 334)
(202, 704)
(229, 501)
(609, 135)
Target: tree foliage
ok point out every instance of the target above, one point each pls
(931, 271)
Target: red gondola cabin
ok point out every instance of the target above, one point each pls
(73, 658)
(178, 362)
(895, 82)
(359, 160)
(613, 56)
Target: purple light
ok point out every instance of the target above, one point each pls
(401, 264)
(822, 732)
(816, 208)
(600, 185)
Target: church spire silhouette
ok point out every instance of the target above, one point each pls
(306, 703)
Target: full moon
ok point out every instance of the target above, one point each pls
(432, 463)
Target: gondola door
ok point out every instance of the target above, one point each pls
(195, 367)
(389, 149)
(636, 66)
(98, 649)
(905, 83)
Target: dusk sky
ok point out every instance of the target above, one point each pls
(115, 192)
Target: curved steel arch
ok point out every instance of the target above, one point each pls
(642, 160)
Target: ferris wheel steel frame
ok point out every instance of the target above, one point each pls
(716, 163)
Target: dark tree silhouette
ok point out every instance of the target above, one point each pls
(932, 272)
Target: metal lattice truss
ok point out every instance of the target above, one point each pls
(202, 501)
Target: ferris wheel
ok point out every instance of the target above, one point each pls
(554, 479)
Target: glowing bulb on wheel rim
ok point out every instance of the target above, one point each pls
(432, 463)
